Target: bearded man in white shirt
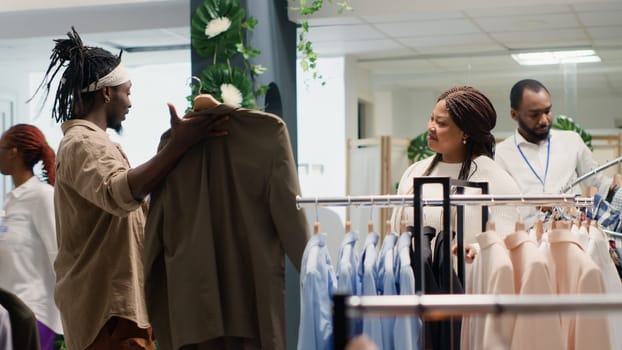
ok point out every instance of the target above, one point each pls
(539, 159)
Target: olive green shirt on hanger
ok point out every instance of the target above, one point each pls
(217, 232)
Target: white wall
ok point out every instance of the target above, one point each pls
(408, 110)
(322, 130)
(152, 86)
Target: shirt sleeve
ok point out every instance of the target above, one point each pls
(98, 172)
(44, 223)
(586, 163)
(290, 223)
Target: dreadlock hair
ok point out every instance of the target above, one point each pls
(32, 148)
(516, 93)
(84, 65)
(475, 115)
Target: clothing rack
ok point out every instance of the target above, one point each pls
(340, 309)
(447, 306)
(612, 233)
(462, 199)
(591, 173)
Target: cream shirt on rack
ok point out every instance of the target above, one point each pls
(532, 276)
(491, 273)
(483, 169)
(575, 273)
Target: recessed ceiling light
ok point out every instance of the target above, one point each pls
(555, 57)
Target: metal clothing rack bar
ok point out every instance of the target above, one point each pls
(446, 305)
(463, 199)
(612, 233)
(591, 173)
(442, 306)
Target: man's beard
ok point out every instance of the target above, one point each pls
(533, 134)
(118, 128)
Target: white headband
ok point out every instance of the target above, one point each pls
(118, 76)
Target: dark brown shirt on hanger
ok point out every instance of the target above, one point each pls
(217, 232)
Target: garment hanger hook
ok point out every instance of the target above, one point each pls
(371, 210)
(191, 80)
(317, 217)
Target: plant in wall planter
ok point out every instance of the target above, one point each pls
(218, 29)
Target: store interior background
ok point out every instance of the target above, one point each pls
(384, 64)
(383, 67)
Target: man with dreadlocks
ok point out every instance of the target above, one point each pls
(99, 198)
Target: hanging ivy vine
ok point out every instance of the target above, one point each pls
(306, 8)
(218, 29)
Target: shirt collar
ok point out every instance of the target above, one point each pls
(81, 122)
(520, 140)
(514, 240)
(318, 239)
(488, 238)
(563, 235)
(372, 239)
(25, 187)
(350, 237)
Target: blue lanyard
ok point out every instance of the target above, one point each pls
(548, 157)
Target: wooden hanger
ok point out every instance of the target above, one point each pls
(490, 226)
(316, 224)
(388, 226)
(564, 224)
(403, 225)
(316, 227)
(519, 226)
(539, 226)
(370, 226)
(348, 227)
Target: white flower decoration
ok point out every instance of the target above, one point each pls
(217, 26)
(231, 95)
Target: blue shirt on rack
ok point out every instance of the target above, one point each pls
(385, 285)
(317, 284)
(367, 285)
(346, 273)
(408, 330)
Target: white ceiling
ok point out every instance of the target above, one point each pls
(403, 43)
(430, 48)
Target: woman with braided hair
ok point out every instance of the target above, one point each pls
(459, 131)
(100, 199)
(28, 247)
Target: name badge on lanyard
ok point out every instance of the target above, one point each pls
(542, 180)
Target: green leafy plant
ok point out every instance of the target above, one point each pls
(306, 8)
(563, 122)
(418, 148)
(217, 31)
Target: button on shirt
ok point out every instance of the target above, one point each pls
(317, 285)
(28, 249)
(100, 227)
